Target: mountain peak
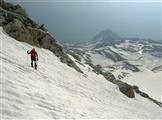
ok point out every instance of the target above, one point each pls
(107, 36)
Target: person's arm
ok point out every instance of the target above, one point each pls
(28, 52)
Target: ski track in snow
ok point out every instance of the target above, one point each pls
(56, 91)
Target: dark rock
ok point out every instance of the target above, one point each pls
(111, 55)
(120, 77)
(75, 56)
(125, 88)
(109, 76)
(43, 28)
(88, 59)
(14, 28)
(96, 68)
(131, 67)
(13, 8)
(69, 62)
(143, 94)
(139, 92)
(129, 49)
(158, 68)
(2, 20)
(136, 89)
(20, 10)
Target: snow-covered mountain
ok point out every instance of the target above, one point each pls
(134, 61)
(63, 87)
(56, 91)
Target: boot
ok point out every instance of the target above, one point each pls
(35, 66)
(31, 64)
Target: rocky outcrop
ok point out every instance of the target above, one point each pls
(75, 56)
(122, 75)
(143, 94)
(109, 76)
(18, 25)
(131, 67)
(123, 87)
(158, 68)
(13, 8)
(108, 53)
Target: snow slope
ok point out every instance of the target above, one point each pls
(56, 91)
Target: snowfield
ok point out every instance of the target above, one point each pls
(56, 91)
(147, 81)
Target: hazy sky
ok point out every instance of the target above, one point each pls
(81, 20)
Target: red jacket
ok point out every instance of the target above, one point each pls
(33, 53)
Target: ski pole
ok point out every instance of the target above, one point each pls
(37, 63)
(27, 58)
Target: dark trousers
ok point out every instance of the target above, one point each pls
(33, 59)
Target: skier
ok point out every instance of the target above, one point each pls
(34, 57)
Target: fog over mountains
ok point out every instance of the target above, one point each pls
(79, 21)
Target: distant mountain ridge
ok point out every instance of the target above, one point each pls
(129, 60)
